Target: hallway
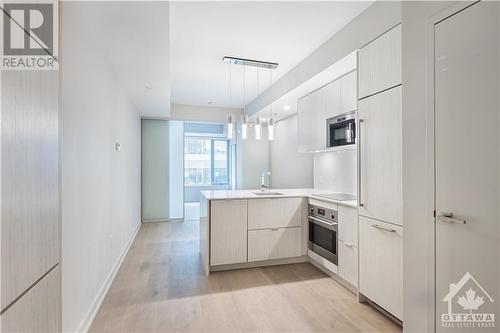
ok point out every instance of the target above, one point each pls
(161, 288)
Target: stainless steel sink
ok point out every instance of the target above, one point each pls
(267, 193)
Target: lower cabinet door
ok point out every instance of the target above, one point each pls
(228, 232)
(38, 310)
(274, 243)
(381, 264)
(348, 265)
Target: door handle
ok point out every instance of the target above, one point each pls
(383, 228)
(358, 140)
(449, 218)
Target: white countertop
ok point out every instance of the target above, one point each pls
(286, 193)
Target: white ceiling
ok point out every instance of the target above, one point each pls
(284, 32)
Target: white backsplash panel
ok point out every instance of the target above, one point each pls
(335, 171)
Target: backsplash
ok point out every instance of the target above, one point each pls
(335, 171)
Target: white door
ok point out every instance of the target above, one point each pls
(467, 166)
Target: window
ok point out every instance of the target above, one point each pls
(206, 161)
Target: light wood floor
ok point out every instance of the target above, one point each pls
(161, 288)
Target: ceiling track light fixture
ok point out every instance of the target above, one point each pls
(250, 62)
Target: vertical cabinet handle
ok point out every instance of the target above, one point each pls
(360, 201)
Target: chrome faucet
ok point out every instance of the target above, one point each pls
(263, 185)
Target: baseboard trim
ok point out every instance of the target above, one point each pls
(162, 220)
(89, 318)
(264, 263)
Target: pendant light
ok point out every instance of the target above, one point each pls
(270, 129)
(270, 123)
(230, 127)
(244, 127)
(258, 128)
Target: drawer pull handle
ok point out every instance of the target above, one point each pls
(348, 244)
(275, 229)
(383, 228)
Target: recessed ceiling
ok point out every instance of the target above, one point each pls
(202, 33)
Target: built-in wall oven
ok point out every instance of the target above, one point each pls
(323, 232)
(341, 130)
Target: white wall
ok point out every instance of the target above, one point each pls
(289, 169)
(203, 113)
(336, 171)
(155, 169)
(418, 237)
(100, 188)
(176, 169)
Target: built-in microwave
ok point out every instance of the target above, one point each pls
(341, 130)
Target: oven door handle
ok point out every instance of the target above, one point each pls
(322, 223)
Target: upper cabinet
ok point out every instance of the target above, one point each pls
(348, 98)
(318, 120)
(332, 97)
(314, 109)
(380, 63)
(303, 125)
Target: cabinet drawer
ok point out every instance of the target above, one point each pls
(381, 265)
(274, 243)
(348, 225)
(380, 63)
(274, 213)
(348, 266)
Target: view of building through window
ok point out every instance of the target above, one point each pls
(206, 161)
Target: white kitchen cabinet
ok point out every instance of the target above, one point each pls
(274, 243)
(348, 224)
(274, 213)
(30, 210)
(348, 263)
(380, 63)
(228, 232)
(380, 160)
(381, 264)
(332, 98)
(303, 125)
(348, 92)
(317, 108)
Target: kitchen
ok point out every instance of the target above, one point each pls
(346, 118)
(265, 167)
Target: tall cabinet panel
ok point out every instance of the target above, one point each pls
(380, 156)
(379, 136)
(30, 226)
(30, 220)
